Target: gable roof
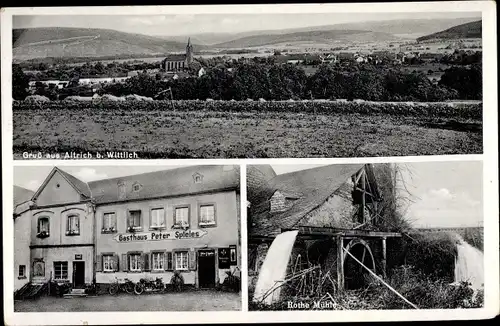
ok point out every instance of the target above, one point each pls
(175, 57)
(167, 183)
(22, 195)
(314, 186)
(81, 187)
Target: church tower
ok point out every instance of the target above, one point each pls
(189, 53)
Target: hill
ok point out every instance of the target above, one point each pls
(30, 43)
(411, 28)
(306, 37)
(468, 30)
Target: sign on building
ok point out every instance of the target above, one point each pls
(157, 236)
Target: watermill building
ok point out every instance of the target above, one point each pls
(336, 210)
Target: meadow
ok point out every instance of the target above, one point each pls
(239, 130)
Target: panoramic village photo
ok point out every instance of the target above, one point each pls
(267, 85)
(365, 236)
(127, 238)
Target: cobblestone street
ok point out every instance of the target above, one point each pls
(186, 301)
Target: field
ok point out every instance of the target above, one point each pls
(210, 133)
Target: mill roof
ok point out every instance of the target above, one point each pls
(310, 188)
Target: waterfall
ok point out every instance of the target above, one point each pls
(469, 264)
(273, 269)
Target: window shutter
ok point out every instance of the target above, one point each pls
(142, 261)
(98, 267)
(192, 260)
(116, 262)
(124, 263)
(147, 265)
(169, 261)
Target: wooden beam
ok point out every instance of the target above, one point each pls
(329, 231)
(384, 257)
(340, 262)
(363, 198)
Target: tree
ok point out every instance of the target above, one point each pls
(20, 83)
(468, 82)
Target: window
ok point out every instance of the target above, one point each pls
(136, 187)
(232, 255)
(61, 270)
(181, 217)
(181, 260)
(38, 268)
(22, 271)
(134, 220)
(73, 225)
(109, 222)
(207, 215)
(108, 263)
(43, 227)
(158, 218)
(158, 261)
(134, 262)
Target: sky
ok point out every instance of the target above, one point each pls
(185, 24)
(443, 194)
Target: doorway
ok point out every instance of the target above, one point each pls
(78, 274)
(206, 268)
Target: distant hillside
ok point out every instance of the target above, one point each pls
(468, 30)
(312, 36)
(410, 27)
(44, 42)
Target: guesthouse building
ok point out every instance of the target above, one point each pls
(139, 226)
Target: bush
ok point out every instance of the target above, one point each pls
(431, 110)
(432, 254)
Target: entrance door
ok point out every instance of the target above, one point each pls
(206, 268)
(78, 274)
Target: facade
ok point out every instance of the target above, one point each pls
(179, 62)
(147, 225)
(22, 228)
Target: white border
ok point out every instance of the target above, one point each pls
(490, 171)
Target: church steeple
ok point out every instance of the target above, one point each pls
(189, 52)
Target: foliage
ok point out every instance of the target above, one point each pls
(432, 254)
(420, 290)
(467, 81)
(20, 83)
(469, 111)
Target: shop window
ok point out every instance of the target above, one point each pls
(158, 218)
(158, 261)
(181, 260)
(134, 262)
(134, 221)
(109, 222)
(108, 263)
(22, 271)
(181, 217)
(43, 229)
(207, 215)
(61, 270)
(73, 225)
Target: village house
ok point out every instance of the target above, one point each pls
(22, 233)
(335, 209)
(146, 225)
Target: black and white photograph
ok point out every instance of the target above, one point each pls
(247, 85)
(127, 238)
(365, 236)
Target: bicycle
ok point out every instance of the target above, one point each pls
(127, 286)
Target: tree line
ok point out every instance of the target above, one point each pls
(251, 80)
